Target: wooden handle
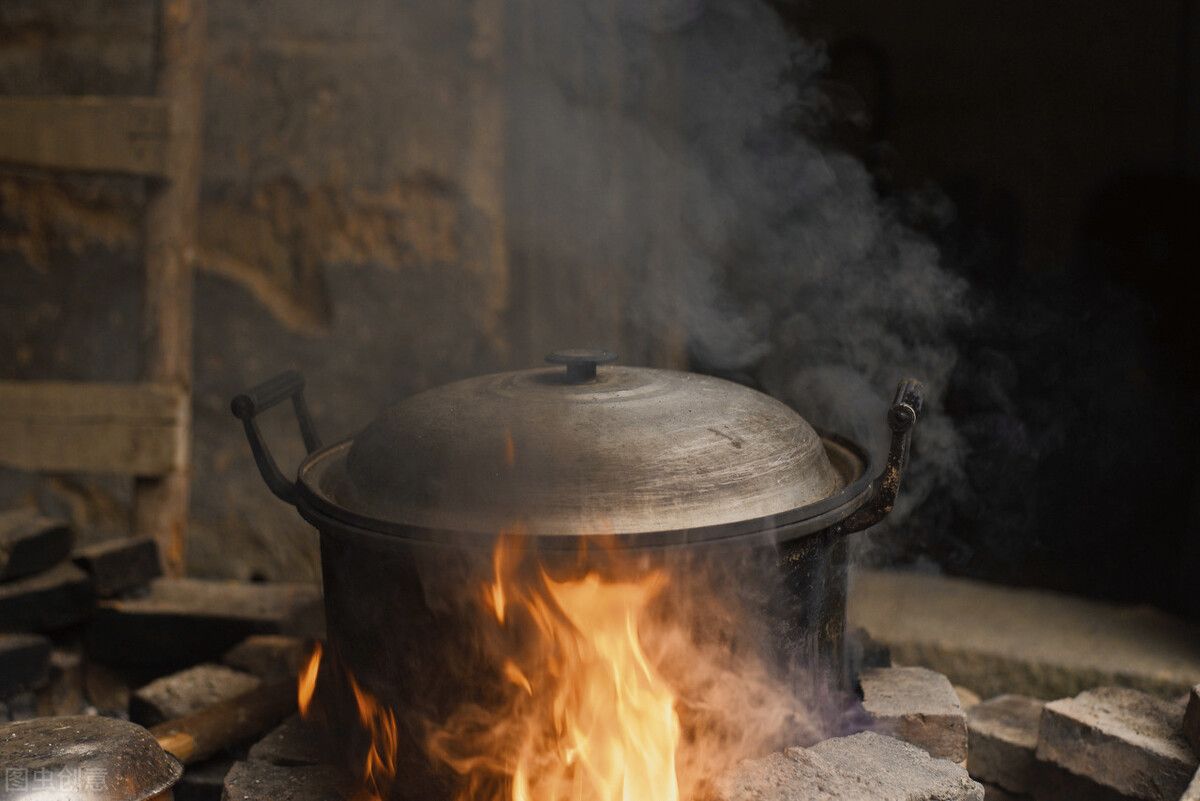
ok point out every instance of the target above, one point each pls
(197, 736)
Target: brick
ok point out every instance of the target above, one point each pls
(63, 692)
(1002, 741)
(293, 742)
(1191, 719)
(1057, 784)
(862, 767)
(1122, 739)
(269, 656)
(31, 543)
(24, 662)
(262, 781)
(117, 566)
(901, 767)
(180, 622)
(187, 691)
(54, 599)
(999, 640)
(918, 706)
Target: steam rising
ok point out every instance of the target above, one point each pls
(680, 138)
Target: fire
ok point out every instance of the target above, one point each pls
(589, 718)
(379, 769)
(307, 684)
(379, 766)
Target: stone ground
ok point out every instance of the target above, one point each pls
(862, 767)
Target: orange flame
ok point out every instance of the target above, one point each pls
(510, 449)
(307, 683)
(379, 768)
(591, 719)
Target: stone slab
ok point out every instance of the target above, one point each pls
(24, 662)
(293, 742)
(31, 543)
(53, 599)
(1002, 741)
(1120, 738)
(262, 781)
(1191, 719)
(862, 767)
(117, 566)
(918, 706)
(184, 621)
(187, 691)
(269, 656)
(999, 640)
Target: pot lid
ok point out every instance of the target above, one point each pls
(584, 447)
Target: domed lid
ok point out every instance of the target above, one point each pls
(583, 450)
(84, 758)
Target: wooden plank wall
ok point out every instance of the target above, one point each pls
(65, 426)
(101, 134)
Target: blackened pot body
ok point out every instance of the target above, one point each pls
(405, 624)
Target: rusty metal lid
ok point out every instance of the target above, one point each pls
(583, 447)
(85, 759)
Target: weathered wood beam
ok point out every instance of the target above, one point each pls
(66, 426)
(101, 134)
(160, 508)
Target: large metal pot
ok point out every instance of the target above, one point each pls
(664, 464)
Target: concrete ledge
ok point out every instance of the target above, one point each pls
(997, 640)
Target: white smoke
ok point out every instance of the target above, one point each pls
(679, 141)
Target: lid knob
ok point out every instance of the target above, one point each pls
(581, 362)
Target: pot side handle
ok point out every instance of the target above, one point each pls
(247, 406)
(902, 417)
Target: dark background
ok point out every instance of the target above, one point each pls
(1065, 138)
(1050, 149)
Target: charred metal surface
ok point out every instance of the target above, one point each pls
(810, 626)
(903, 415)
